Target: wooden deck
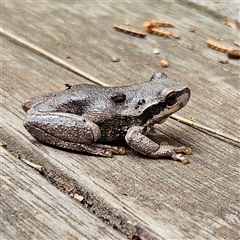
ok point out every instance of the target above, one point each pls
(78, 196)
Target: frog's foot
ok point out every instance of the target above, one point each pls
(173, 152)
(180, 157)
(113, 149)
(139, 142)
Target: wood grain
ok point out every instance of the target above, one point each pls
(34, 209)
(160, 199)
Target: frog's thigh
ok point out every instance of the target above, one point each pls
(69, 131)
(55, 126)
(140, 143)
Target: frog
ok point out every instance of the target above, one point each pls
(87, 118)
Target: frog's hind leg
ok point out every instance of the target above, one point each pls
(68, 131)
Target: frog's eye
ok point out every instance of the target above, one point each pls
(171, 98)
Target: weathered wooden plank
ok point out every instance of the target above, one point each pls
(91, 46)
(96, 198)
(161, 198)
(229, 9)
(32, 208)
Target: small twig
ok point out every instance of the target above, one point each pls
(33, 165)
(130, 31)
(237, 43)
(198, 125)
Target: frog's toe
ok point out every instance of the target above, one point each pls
(181, 158)
(113, 149)
(108, 153)
(121, 150)
(185, 161)
(116, 150)
(188, 150)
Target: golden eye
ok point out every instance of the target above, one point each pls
(171, 98)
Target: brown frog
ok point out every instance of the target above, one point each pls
(84, 117)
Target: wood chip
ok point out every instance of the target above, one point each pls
(115, 59)
(237, 43)
(156, 51)
(234, 54)
(155, 24)
(176, 35)
(153, 27)
(33, 165)
(160, 32)
(231, 24)
(192, 29)
(219, 47)
(78, 197)
(223, 61)
(164, 63)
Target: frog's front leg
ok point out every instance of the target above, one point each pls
(68, 131)
(139, 142)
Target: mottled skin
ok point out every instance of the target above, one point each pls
(83, 116)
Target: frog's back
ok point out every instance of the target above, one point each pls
(94, 100)
(71, 100)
